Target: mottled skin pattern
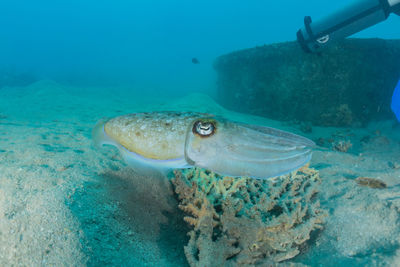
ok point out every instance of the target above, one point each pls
(165, 140)
(159, 135)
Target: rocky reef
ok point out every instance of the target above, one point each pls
(348, 84)
(244, 221)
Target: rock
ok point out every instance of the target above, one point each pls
(348, 84)
(247, 222)
(394, 165)
(370, 182)
(342, 145)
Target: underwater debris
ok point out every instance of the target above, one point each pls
(342, 145)
(370, 182)
(242, 221)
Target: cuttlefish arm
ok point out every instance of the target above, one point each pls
(167, 140)
(238, 149)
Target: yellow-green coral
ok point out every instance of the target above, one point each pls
(247, 221)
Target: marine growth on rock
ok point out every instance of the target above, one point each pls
(243, 221)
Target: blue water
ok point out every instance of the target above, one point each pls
(131, 42)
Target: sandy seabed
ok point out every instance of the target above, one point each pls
(64, 202)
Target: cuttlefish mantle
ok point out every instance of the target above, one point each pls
(168, 140)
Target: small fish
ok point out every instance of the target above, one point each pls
(195, 61)
(168, 140)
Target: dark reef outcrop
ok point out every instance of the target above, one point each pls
(348, 84)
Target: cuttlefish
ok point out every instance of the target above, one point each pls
(168, 140)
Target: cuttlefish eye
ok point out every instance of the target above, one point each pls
(203, 128)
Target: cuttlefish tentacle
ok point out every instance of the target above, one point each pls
(166, 140)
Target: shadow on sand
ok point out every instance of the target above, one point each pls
(130, 220)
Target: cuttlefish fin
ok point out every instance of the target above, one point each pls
(134, 161)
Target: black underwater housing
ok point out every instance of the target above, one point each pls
(352, 19)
